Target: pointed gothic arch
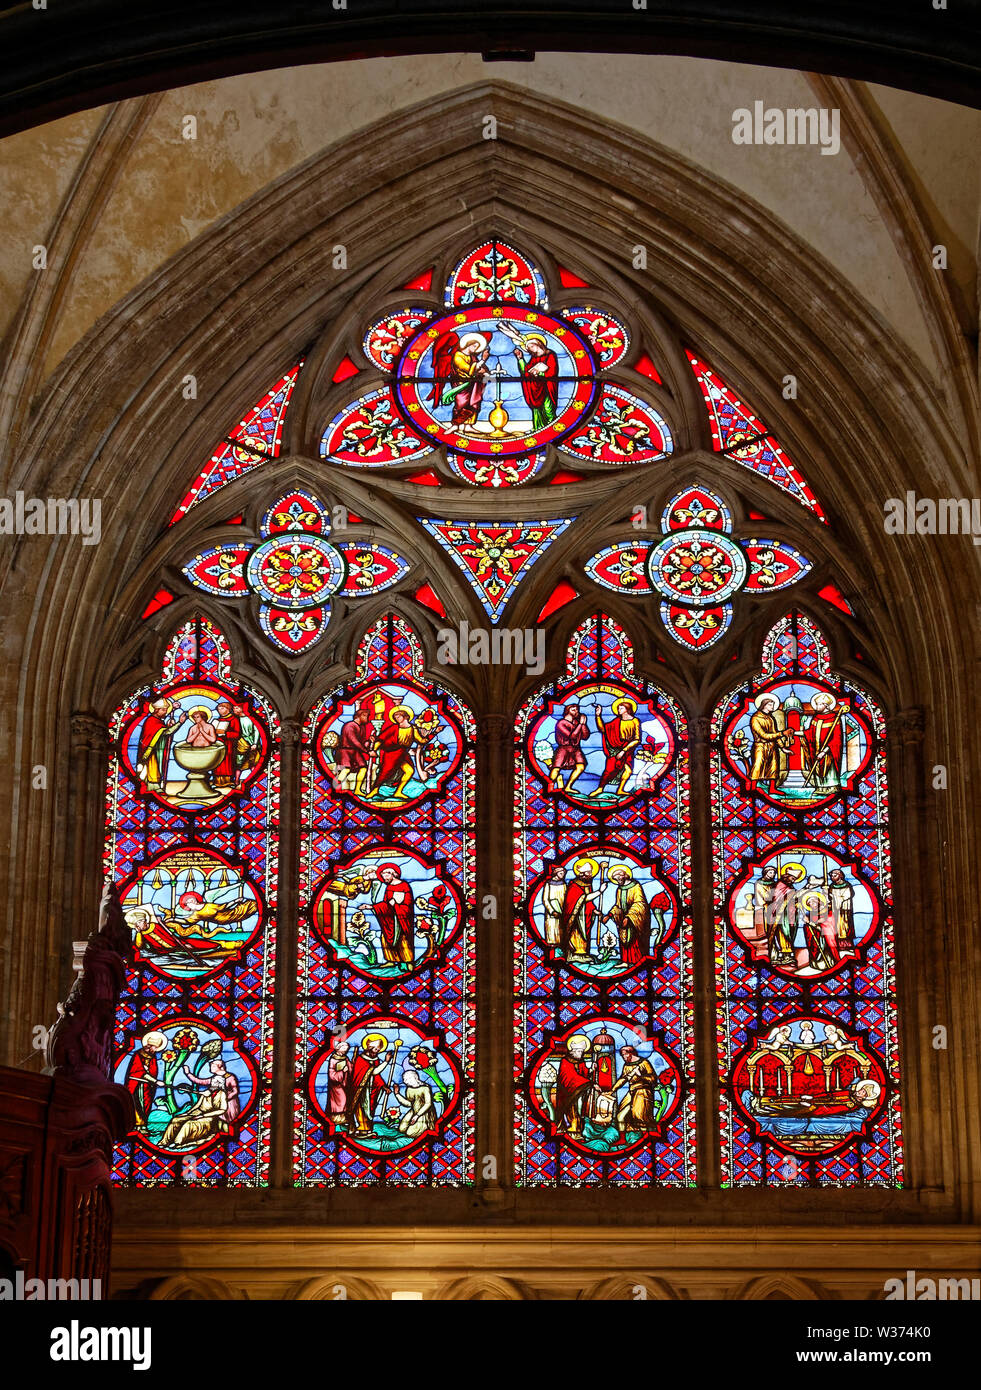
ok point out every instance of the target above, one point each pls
(249, 322)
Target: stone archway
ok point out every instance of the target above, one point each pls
(484, 1288)
(94, 53)
(258, 287)
(781, 1286)
(635, 1287)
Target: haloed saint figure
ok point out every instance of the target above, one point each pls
(390, 746)
(193, 746)
(600, 745)
(384, 1085)
(191, 1085)
(798, 743)
(500, 380)
(603, 912)
(605, 1087)
(387, 912)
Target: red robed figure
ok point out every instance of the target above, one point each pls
(229, 735)
(573, 1077)
(360, 1066)
(537, 387)
(394, 742)
(396, 916)
(141, 1082)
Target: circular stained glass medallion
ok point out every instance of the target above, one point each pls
(696, 567)
(496, 381)
(295, 571)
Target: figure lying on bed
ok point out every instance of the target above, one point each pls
(815, 1115)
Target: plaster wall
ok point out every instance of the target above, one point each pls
(252, 129)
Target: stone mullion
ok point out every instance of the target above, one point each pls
(919, 995)
(703, 947)
(286, 1000)
(86, 818)
(495, 984)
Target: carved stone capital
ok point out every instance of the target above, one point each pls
(700, 730)
(907, 726)
(496, 728)
(291, 732)
(89, 732)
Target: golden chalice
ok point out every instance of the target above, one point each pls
(197, 762)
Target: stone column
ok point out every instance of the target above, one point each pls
(918, 911)
(703, 950)
(287, 914)
(85, 826)
(495, 984)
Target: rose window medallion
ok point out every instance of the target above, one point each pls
(295, 571)
(697, 567)
(496, 381)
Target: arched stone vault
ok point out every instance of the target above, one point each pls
(248, 297)
(94, 51)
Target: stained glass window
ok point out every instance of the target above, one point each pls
(604, 1034)
(495, 273)
(255, 439)
(493, 379)
(385, 1062)
(192, 824)
(803, 901)
(491, 369)
(495, 556)
(295, 569)
(742, 436)
(697, 567)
